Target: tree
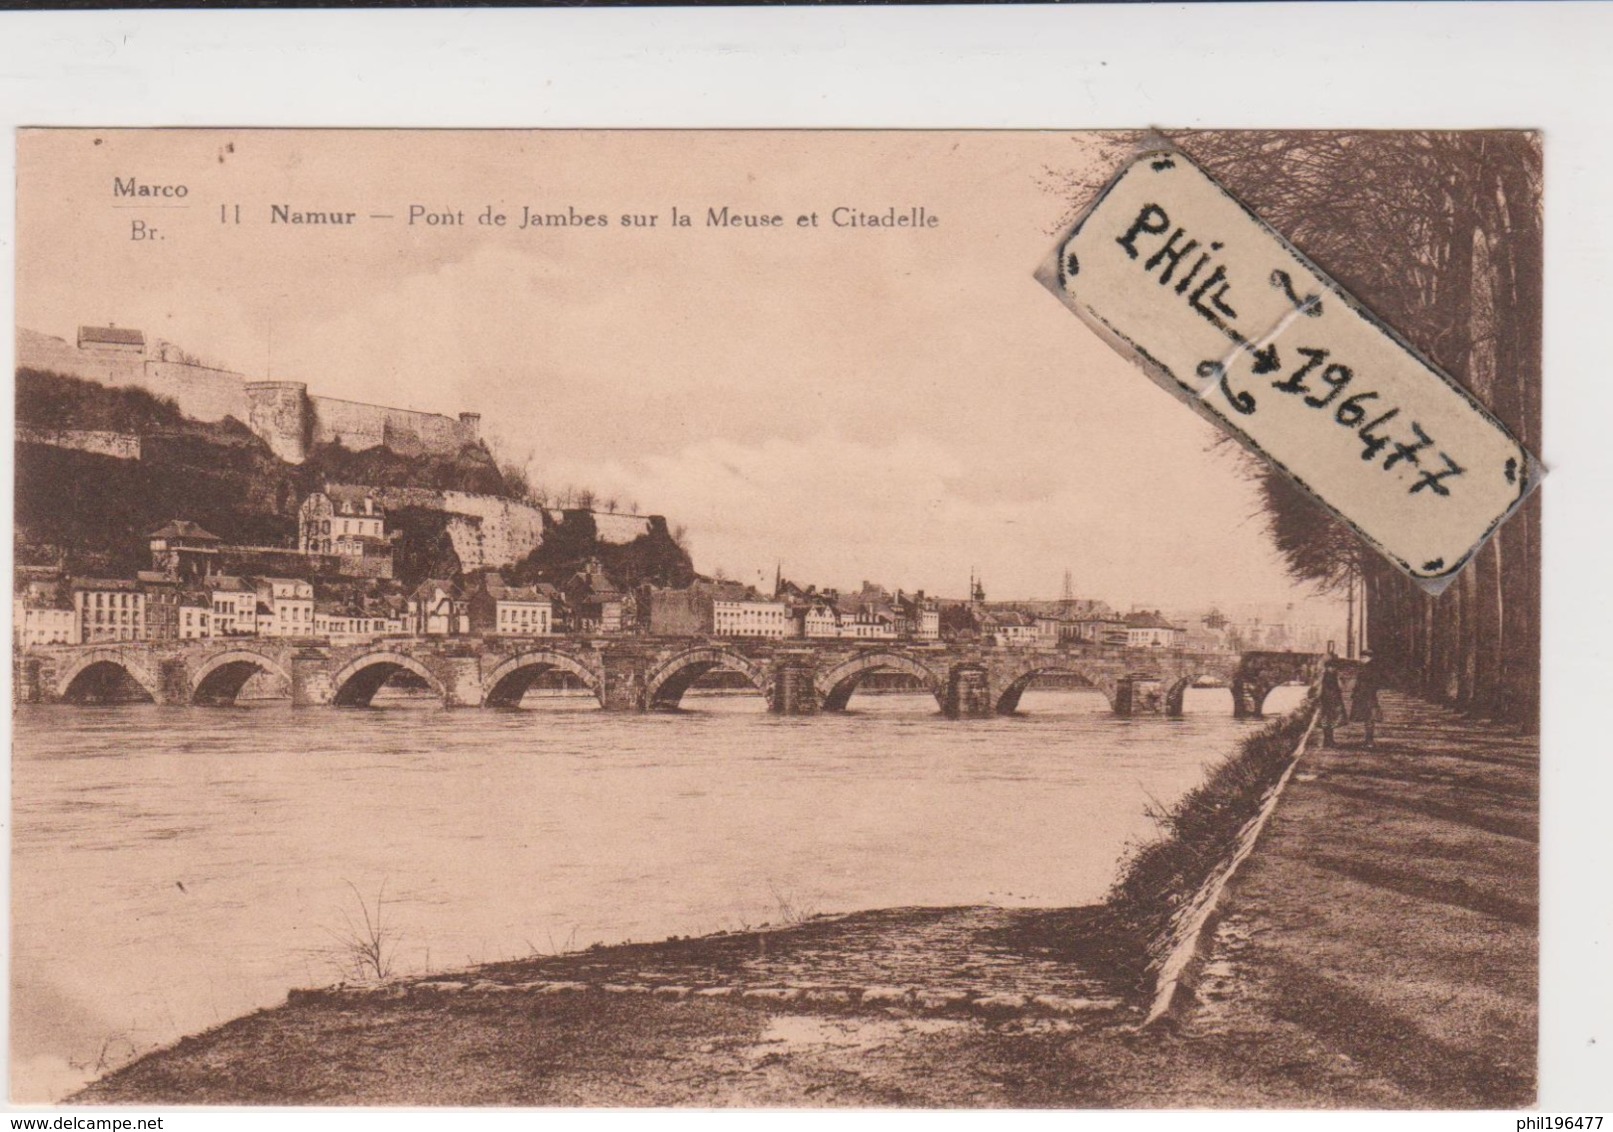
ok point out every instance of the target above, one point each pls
(1440, 234)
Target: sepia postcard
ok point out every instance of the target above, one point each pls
(686, 618)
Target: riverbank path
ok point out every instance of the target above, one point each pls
(1381, 944)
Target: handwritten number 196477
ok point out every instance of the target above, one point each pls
(1351, 413)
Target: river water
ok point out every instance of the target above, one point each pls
(173, 868)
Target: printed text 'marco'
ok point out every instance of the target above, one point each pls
(134, 187)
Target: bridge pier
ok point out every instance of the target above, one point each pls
(1147, 696)
(624, 686)
(794, 680)
(968, 693)
(461, 678)
(173, 681)
(1123, 693)
(28, 683)
(311, 684)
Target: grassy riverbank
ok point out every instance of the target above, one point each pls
(987, 1006)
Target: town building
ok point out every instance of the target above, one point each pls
(721, 609)
(162, 605)
(497, 609)
(235, 606)
(37, 621)
(1103, 630)
(819, 619)
(1147, 629)
(285, 607)
(593, 602)
(748, 614)
(348, 523)
(108, 609)
(678, 612)
(437, 609)
(1008, 627)
(184, 551)
(870, 614)
(195, 620)
(921, 616)
(346, 622)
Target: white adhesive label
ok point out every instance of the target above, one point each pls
(1220, 308)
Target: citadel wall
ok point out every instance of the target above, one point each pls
(281, 412)
(202, 392)
(359, 426)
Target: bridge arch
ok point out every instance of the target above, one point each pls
(355, 684)
(1176, 691)
(1014, 686)
(836, 685)
(1261, 673)
(1249, 697)
(509, 681)
(107, 674)
(220, 678)
(666, 683)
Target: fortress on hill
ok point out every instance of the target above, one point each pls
(283, 413)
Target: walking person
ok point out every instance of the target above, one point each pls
(1364, 707)
(1330, 710)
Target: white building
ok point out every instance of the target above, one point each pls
(337, 520)
(235, 607)
(348, 625)
(520, 611)
(289, 603)
(1150, 630)
(195, 615)
(500, 610)
(749, 618)
(929, 624)
(108, 609)
(33, 624)
(869, 624)
(820, 620)
(1100, 631)
(436, 609)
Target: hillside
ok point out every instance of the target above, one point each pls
(95, 512)
(654, 558)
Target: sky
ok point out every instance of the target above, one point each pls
(903, 405)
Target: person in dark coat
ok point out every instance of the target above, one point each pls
(1364, 707)
(1330, 709)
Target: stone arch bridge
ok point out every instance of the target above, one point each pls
(797, 677)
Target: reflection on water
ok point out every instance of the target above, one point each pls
(176, 867)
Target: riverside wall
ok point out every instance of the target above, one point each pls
(1178, 947)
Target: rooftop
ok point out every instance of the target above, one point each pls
(184, 528)
(111, 336)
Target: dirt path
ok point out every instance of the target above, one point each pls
(1377, 950)
(1385, 933)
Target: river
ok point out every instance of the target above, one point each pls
(174, 867)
